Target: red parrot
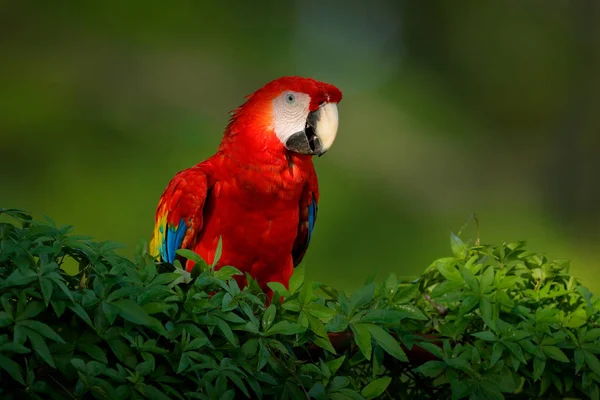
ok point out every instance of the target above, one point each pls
(259, 191)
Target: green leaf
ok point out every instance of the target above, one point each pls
(42, 329)
(324, 343)
(268, 317)
(296, 280)
(579, 360)
(362, 296)
(192, 256)
(459, 248)
(81, 313)
(555, 353)
(278, 288)
(335, 364)
(93, 351)
(218, 252)
(592, 362)
(486, 335)
(12, 368)
(591, 335)
(497, 351)
(486, 309)
(467, 304)
(508, 282)
(47, 288)
(470, 280)
(317, 327)
(285, 328)
(406, 294)
(227, 272)
(5, 319)
(133, 312)
(227, 332)
(487, 279)
(431, 369)
(376, 387)
(362, 337)
(320, 311)
(39, 345)
(449, 271)
(32, 309)
(432, 348)
(387, 342)
(539, 364)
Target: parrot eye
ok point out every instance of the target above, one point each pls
(290, 98)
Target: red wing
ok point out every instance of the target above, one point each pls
(179, 214)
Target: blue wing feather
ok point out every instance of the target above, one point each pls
(312, 217)
(172, 242)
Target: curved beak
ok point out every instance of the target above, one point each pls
(318, 134)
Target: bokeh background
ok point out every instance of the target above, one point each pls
(450, 108)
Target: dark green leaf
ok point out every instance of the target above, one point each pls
(13, 369)
(39, 345)
(81, 313)
(42, 329)
(431, 369)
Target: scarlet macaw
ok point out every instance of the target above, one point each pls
(259, 192)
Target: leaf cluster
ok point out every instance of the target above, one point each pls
(490, 322)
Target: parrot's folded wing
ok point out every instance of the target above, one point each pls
(179, 214)
(308, 217)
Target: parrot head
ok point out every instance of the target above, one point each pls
(291, 113)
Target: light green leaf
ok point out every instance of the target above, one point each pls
(555, 353)
(592, 362)
(470, 280)
(296, 280)
(376, 387)
(449, 271)
(285, 328)
(319, 311)
(218, 252)
(387, 342)
(487, 279)
(486, 335)
(268, 317)
(362, 337)
(278, 288)
(362, 297)
(459, 248)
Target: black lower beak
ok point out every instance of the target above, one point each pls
(306, 141)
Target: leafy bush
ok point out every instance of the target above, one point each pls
(489, 322)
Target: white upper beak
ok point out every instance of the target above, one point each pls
(327, 126)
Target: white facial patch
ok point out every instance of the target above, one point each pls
(290, 111)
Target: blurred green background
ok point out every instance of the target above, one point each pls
(450, 108)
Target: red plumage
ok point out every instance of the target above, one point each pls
(254, 193)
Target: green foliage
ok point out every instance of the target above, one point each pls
(490, 322)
